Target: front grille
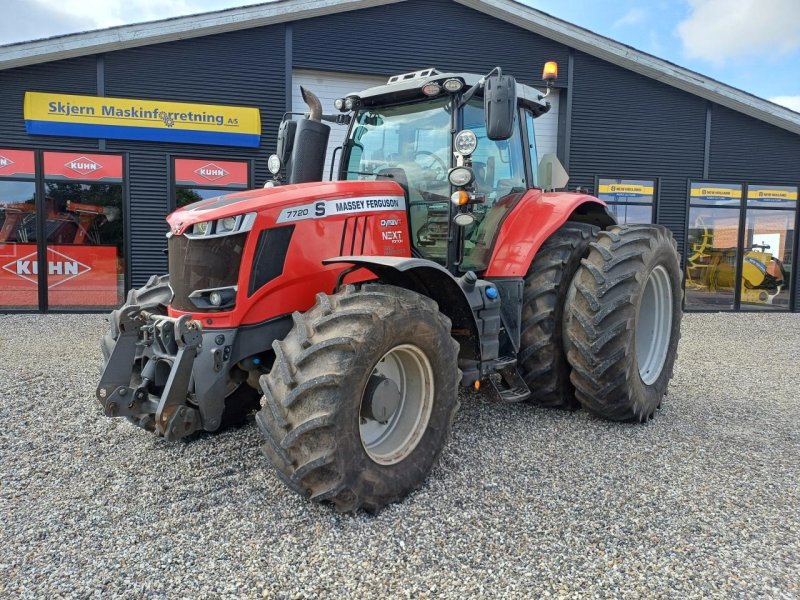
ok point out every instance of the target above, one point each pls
(200, 264)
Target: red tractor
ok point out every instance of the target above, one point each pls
(354, 309)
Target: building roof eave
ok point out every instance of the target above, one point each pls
(173, 29)
(635, 60)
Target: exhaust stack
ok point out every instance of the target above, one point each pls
(310, 143)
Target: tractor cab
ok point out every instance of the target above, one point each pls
(461, 146)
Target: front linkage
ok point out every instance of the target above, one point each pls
(124, 393)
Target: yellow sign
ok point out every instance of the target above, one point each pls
(131, 119)
(716, 192)
(771, 194)
(625, 188)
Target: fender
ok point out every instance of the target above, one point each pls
(533, 220)
(434, 281)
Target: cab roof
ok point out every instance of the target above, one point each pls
(408, 87)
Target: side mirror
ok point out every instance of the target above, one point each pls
(286, 133)
(500, 106)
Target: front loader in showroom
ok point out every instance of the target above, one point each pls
(349, 312)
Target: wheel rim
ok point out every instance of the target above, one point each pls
(654, 325)
(402, 380)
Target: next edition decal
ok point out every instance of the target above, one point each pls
(341, 206)
(139, 119)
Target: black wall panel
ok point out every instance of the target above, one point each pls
(240, 68)
(751, 151)
(628, 125)
(74, 76)
(743, 148)
(413, 35)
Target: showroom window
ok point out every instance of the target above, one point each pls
(198, 179)
(19, 285)
(739, 253)
(85, 230)
(629, 200)
(72, 210)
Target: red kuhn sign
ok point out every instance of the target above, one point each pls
(106, 168)
(211, 173)
(76, 275)
(16, 163)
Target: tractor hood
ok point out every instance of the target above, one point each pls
(268, 202)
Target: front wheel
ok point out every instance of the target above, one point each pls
(360, 400)
(622, 322)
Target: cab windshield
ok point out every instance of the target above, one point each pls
(410, 144)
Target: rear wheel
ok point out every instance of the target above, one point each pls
(361, 397)
(623, 321)
(542, 356)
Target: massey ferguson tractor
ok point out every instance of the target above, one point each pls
(349, 312)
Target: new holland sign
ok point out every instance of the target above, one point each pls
(131, 119)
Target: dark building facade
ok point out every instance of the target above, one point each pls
(724, 181)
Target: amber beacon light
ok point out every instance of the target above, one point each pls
(550, 71)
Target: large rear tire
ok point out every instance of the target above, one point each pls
(623, 321)
(360, 400)
(542, 356)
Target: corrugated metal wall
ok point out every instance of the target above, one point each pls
(240, 68)
(627, 125)
(413, 35)
(751, 151)
(74, 76)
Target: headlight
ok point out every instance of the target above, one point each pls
(466, 141)
(461, 176)
(463, 219)
(350, 103)
(200, 228)
(223, 226)
(338, 104)
(274, 164)
(214, 299)
(226, 224)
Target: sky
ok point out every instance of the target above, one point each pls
(753, 45)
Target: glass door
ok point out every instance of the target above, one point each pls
(84, 230)
(19, 255)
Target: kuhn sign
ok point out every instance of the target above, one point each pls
(60, 268)
(83, 165)
(77, 275)
(106, 168)
(192, 172)
(211, 172)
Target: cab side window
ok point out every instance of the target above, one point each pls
(499, 167)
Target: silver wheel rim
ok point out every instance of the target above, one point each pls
(654, 325)
(389, 442)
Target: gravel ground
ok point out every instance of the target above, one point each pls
(703, 501)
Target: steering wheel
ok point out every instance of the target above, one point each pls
(436, 165)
